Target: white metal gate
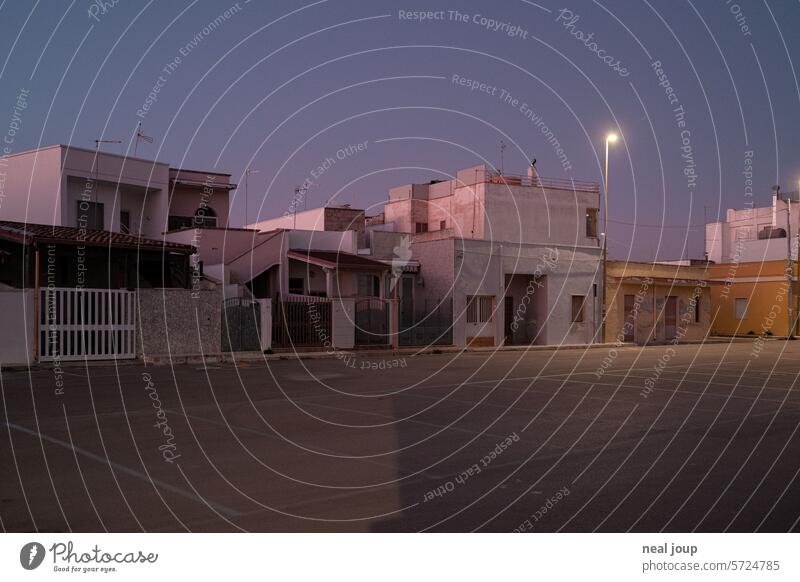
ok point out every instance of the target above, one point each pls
(86, 324)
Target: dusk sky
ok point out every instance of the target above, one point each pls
(283, 86)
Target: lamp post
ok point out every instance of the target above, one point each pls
(789, 269)
(610, 138)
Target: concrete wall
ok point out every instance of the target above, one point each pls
(320, 219)
(31, 186)
(179, 322)
(313, 219)
(319, 240)
(383, 243)
(218, 245)
(17, 338)
(436, 259)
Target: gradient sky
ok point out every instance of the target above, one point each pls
(282, 86)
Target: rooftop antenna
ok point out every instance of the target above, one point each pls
(297, 190)
(140, 136)
(502, 155)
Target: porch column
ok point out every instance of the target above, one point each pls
(328, 281)
(394, 323)
(265, 336)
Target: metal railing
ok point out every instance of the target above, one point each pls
(540, 182)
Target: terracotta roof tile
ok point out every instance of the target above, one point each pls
(29, 233)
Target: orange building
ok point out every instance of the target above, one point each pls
(752, 298)
(656, 302)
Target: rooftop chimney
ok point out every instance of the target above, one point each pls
(533, 174)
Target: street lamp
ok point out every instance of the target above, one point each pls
(610, 138)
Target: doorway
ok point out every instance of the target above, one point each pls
(629, 324)
(508, 320)
(670, 318)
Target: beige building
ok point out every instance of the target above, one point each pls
(657, 302)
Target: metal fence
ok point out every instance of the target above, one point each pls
(430, 326)
(301, 321)
(372, 322)
(241, 325)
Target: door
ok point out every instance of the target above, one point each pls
(508, 319)
(629, 325)
(372, 322)
(670, 318)
(241, 322)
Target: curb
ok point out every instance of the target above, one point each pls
(249, 357)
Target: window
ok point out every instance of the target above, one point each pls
(179, 222)
(697, 309)
(577, 308)
(124, 222)
(90, 215)
(369, 285)
(442, 225)
(740, 308)
(296, 285)
(479, 308)
(205, 216)
(591, 222)
(421, 227)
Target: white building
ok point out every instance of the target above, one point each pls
(67, 186)
(516, 257)
(755, 234)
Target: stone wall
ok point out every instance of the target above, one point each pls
(180, 322)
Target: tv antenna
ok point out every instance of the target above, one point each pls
(295, 202)
(502, 155)
(140, 136)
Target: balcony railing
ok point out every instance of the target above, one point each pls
(540, 182)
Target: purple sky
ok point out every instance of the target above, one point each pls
(285, 86)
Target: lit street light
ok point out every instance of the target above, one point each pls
(610, 138)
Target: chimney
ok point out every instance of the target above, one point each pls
(533, 175)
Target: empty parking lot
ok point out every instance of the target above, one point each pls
(683, 438)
